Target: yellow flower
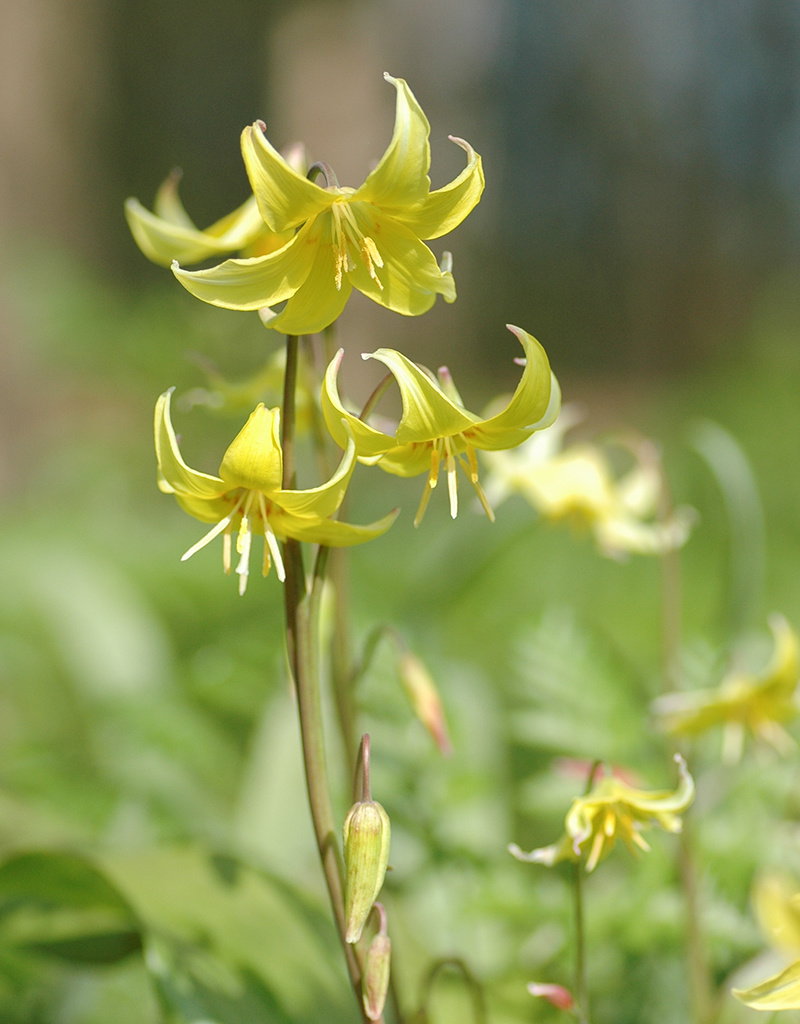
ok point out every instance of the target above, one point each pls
(435, 426)
(614, 809)
(758, 701)
(578, 484)
(777, 905)
(248, 495)
(168, 233)
(367, 238)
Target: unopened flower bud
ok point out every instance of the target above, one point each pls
(366, 854)
(375, 979)
(424, 698)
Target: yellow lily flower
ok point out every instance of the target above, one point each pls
(578, 484)
(169, 233)
(248, 495)
(614, 809)
(368, 238)
(758, 701)
(777, 905)
(435, 426)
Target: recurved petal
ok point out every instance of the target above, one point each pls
(410, 278)
(170, 234)
(256, 282)
(665, 803)
(444, 209)
(254, 459)
(401, 178)
(784, 665)
(427, 412)
(324, 500)
(369, 442)
(285, 198)
(330, 532)
(175, 476)
(781, 992)
(530, 405)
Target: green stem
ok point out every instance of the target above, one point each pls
(699, 975)
(302, 616)
(581, 978)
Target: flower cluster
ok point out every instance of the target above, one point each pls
(297, 247)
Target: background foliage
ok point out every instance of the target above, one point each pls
(157, 856)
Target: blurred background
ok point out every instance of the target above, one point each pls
(641, 218)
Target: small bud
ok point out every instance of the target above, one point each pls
(366, 854)
(559, 996)
(424, 699)
(375, 979)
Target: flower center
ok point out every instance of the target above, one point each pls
(249, 502)
(349, 240)
(445, 448)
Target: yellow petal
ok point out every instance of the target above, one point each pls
(427, 412)
(285, 198)
(254, 459)
(781, 992)
(530, 405)
(329, 532)
(369, 442)
(318, 302)
(410, 278)
(324, 500)
(444, 209)
(259, 281)
(175, 476)
(401, 178)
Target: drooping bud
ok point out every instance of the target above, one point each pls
(366, 855)
(375, 979)
(424, 698)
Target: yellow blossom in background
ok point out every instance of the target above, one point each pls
(612, 810)
(248, 495)
(169, 233)
(758, 702)
(578, 484)
(369, 238)
(777, 904)
(435, 426)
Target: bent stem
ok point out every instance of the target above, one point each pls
(302, 617)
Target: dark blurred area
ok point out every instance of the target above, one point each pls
(643, 159)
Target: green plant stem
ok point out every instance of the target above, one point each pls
(581, 980)
(302, 614)
(699, 974)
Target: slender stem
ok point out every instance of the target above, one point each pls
(302, 607)
(699, 974)
(581, 979)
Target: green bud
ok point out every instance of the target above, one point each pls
(375, 979)
(366, 854)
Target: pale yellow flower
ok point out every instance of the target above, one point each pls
(755, 702)
(613, 810)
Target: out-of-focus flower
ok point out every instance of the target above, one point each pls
(248, 495)
(756, 701)
(613, 809)
(369, 238)
(777, 905)
(578, 484)
(169, 233)
(435, 426)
